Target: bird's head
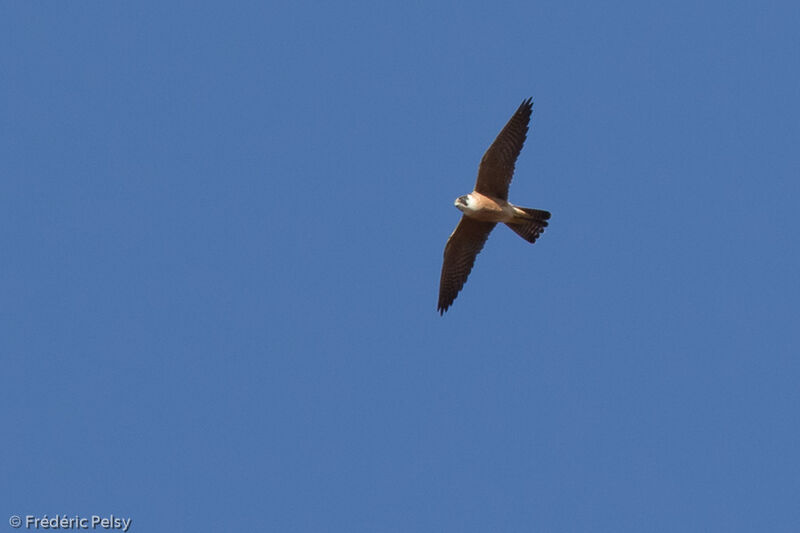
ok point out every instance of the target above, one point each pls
(462, 202)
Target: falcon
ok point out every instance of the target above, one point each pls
(487, 205)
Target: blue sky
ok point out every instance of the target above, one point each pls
(222, 228)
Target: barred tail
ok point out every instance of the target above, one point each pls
(530, 228)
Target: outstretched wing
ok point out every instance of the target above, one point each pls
(459, 255)
(497, 166)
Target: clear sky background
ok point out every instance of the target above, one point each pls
(222, 227)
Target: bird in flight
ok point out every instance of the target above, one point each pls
(487, 205)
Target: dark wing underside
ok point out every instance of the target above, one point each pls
(497, 166)
(459, 255)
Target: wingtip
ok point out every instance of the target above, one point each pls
(526, 106)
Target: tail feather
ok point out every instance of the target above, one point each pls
(530, 229)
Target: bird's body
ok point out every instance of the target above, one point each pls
(487, 206)
(488, 209)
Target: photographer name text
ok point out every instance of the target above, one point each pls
(71, 522)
